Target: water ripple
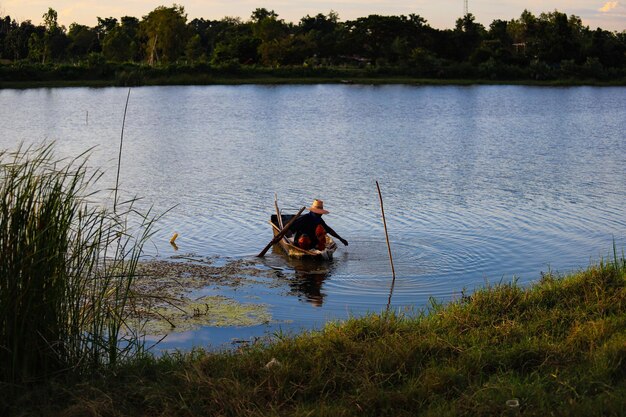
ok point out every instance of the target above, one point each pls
(481, 184)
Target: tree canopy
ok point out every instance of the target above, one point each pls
(530, 45)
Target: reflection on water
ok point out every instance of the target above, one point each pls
(308, 277)
(310, 284)
(481, 183)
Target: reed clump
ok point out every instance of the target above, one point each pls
(66, 269)
(556, 348)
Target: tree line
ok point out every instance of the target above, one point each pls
(548, 46)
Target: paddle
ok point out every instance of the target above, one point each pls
(280, 234)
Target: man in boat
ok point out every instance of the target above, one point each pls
(310, 230)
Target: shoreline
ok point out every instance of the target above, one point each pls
(272, 80)
(558, 344)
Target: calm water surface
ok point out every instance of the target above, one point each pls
(480, 184)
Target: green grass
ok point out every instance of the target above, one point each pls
(557, 348)
(66, 268)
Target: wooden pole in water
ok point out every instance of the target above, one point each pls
(280, 234)
(279, 218)
(393, 271)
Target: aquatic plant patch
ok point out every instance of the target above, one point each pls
(216, 311)
(165, 299)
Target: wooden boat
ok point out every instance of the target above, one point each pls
(286, 243)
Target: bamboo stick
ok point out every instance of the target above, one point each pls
(279, 218)
(393, 271)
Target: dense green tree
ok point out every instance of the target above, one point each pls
(266, 26)
(130, 27)
(261, 14)
(546, 46)
(241, 50)
(36, 47)
(272, 34)
(522, 32)
(324, 31)
(212, 32)
(319, 23)
(202, 28)
(105, 25)
(424, 63)
(52, 46)
(165, 29)
(383, 38)
(468, 36)
(235, 43)
(558, 38)
(121, 42)
(289, 50)
(6, 27)
(83, 40)
(50, 20)
(194, 49)
(16, 41)
(48, 42)
(608, 48)
(496, 46)
(118, 46)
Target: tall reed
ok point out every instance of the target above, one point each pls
(66, 268)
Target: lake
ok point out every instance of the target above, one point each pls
(481, 184)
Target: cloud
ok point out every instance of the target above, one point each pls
(608, 6)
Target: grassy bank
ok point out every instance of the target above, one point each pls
(269, 80)
(23, 75)
(556, 348)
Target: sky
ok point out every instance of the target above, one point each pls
(441, 14)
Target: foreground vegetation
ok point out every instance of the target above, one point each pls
(164, 48)
(66, 276)
(66, 269)
(556, 348)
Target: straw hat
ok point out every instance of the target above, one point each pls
(318, 207)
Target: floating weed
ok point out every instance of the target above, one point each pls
(185, 314)
(164, 300)
(194, 273)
